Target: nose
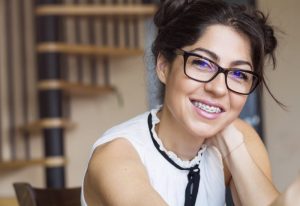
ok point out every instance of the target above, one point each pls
(217, 86)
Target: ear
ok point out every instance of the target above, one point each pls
(162, 68)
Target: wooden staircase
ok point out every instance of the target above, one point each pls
(68, 49)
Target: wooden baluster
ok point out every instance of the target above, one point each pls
(85, 39)
(78, 41)
(97, 37)
(92, 41)
(126, 28)
(136, 28)
(24, 72)
(30, 49)
(71, 60)
(10, 80)
(116, 29)
(1, 106)
(1, 124)
(63, 36)
(104, 31)
(2, 67)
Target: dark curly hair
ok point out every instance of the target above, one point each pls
(181, 22)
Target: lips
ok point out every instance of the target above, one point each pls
(209, 108)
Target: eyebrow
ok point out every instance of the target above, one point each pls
(242, 62)
(215, 57)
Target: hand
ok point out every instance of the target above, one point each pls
(227, 140)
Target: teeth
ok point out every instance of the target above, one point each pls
(209, 109)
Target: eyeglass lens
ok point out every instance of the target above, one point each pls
(203, 70)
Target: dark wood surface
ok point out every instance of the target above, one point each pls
(31, 196)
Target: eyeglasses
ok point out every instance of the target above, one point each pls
(202, 69)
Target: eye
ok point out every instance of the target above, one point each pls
(201, 64)
(239, 75)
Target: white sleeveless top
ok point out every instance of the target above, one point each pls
(169, 181)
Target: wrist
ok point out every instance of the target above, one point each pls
(229, 140)
(233, 150)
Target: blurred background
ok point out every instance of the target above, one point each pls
(71, 69)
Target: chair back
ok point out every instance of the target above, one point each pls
(30, 196)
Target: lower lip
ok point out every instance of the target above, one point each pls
(206, 115)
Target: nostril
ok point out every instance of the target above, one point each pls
(217, 85)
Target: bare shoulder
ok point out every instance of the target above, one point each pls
(120, 148)
(115, 175)
(105, 166)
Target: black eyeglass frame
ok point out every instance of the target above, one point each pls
(187, 54)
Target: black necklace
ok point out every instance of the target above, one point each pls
(193, 176)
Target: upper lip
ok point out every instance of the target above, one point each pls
(210, 103)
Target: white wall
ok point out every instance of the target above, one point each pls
(282, 128)
(96, 115)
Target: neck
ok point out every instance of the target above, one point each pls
(176, 138)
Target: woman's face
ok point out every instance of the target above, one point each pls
(203, 109)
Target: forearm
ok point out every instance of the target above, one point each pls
(252, 185)
(290, 197)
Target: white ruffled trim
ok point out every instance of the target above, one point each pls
(172, 155)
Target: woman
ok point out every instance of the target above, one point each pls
(209, 56)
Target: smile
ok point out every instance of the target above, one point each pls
(207, 108)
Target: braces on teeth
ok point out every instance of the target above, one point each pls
(207, 108)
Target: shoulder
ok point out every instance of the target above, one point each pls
(135, 122)
(133, 129)
(115, 153)
(110, 169)
(116, 176)
(255, 147)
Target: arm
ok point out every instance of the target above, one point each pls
(290, 197)
(247, 161)
(116, 176)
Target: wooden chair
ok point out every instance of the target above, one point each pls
(30, 196)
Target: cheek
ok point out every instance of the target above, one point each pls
(176, 82)
(237, 103)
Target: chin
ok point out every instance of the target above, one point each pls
(206, 131)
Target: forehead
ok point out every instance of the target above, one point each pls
(228, 44)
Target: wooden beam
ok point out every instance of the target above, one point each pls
(8, 201)
(55, 161)
(76, 89)
(91, 50)
(47, 123)
(19, 164)
(99, 10)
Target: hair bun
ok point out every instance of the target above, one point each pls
(168, 12)
(270, 39)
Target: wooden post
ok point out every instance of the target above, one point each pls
(50, 101)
